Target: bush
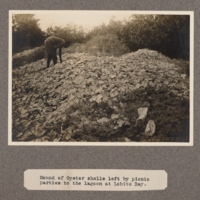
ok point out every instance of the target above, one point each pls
(71, 33)
(168, 34)
(107, 44)
(74, 48)
(26, 33)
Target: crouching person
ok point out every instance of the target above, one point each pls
(51, 44)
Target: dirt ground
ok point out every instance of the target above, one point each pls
(96, 98)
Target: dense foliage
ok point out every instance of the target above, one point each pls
(72, 33)
(107, 44)
(26, 32)
(168, 34)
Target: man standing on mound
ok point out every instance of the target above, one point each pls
(51, 44)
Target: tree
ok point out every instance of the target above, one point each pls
(114, 27)
(71, 33)
(26, 32)
(168, 34)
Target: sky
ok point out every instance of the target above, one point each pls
(86, 19)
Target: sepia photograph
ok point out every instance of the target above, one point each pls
(101, 78)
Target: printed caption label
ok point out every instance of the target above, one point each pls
(95, 180)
